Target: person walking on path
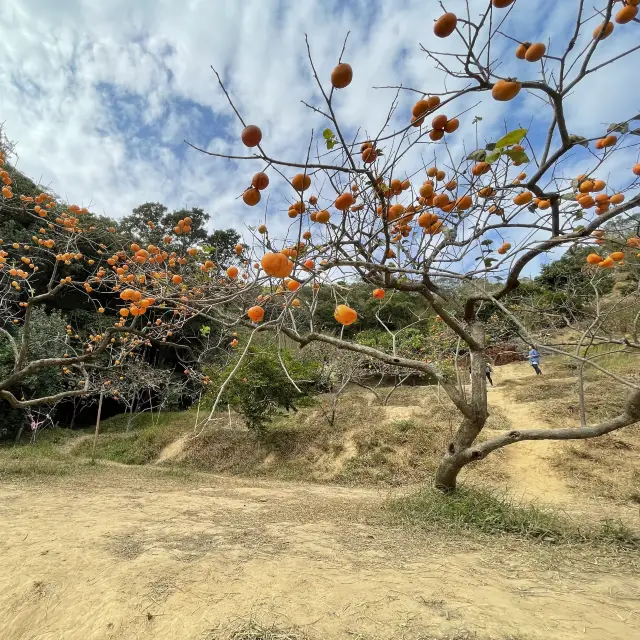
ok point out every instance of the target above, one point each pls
(488, 372)
(534, 360)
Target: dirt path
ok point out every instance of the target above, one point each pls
(527, 463)
(124, 553)
(68, 447)
(173, 451)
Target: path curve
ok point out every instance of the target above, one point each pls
(531, 474)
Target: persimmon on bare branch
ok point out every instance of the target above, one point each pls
(482, 218)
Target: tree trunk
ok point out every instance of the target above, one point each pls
(95, 435)
(447, 473)
(73, 416)
(456, 457)
(19, 434)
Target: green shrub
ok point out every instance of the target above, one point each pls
(260, 387)
(48, 332)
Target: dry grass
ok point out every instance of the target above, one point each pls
(608, 466)
(141, 445)
(368, 444)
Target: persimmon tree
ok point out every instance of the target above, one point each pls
(136, 297)
(366, 204)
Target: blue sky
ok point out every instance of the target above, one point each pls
(100, 95)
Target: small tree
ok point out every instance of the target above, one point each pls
(266, 380)
(361, 204)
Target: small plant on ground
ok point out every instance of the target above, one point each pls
(267, 380)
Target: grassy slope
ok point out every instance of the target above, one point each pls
(608, 466)
(148, 436)
(369, 445)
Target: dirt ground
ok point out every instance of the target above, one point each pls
(116, 552)
(122, 553)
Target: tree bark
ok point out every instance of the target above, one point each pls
(457, 456)
(19, 434)
(447, 473)
(95, 435)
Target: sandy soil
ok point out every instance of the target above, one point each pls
(528, 462)
(118, 553)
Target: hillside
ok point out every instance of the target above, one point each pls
(397, 445)
(160, 540)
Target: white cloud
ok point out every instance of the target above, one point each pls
(100, 95)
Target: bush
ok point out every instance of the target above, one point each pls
(260, 387)
(48, 332)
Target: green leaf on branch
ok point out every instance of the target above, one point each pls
(487, 242)
(568, 196)
(493, 156)
(330, 138)
(511, 138)
(517, 156)
(478, 156)
(489, 261)
(491, 146)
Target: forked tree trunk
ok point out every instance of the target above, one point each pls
(456, 459)
(457, 456)
(447, 474)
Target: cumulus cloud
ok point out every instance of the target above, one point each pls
(100, 96)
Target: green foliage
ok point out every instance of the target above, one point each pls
(495, 150)
(329, 138)
(566, 285)
(569, 272)
(511, 138)
(47, 339)
(221, 245)
(409, 343)
(397, 310)
(136, 224)
(198, 225)
(260, 387)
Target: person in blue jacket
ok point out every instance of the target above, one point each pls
(534, 360)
